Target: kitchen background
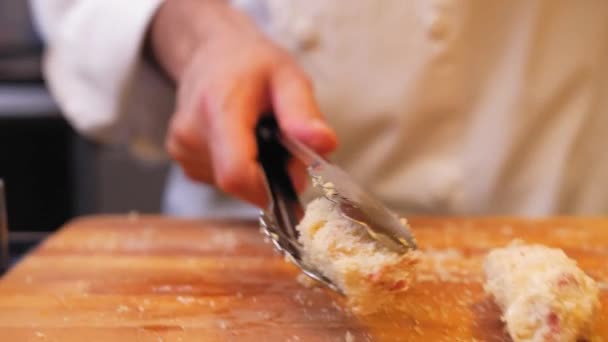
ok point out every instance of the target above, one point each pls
(52, 174)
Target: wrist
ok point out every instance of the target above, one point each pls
(178, 30)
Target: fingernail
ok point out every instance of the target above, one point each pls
(316, 133)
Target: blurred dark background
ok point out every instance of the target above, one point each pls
(52, 174)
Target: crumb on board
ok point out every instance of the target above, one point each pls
(348, 337)
(299, 297)
(122, 308)
(133, 216)
(306, 281)
(185, 299)
(336, 306)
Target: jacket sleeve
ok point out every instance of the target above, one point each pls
(95, 68)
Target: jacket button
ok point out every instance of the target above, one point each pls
(306, 36)
(438, 28)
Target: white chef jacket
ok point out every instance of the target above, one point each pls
(441, 106)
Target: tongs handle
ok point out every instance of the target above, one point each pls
(274, 157)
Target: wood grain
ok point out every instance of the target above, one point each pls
(133, 278)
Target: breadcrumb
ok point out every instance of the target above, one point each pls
(543, 294)
(369, 273)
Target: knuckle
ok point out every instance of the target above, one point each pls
(293, 75)
(172, 149)
(224, 104)
(280, 56)
(302, 77)
(232, 182)
(184, 136)
(306, 81)
(194, 171)
(220, 100)
(192, 174)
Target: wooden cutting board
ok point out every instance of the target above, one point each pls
(144, 278)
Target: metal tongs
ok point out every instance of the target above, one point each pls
(278, 222)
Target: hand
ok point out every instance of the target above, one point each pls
(228, 73)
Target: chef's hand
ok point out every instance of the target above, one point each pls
(228, 73)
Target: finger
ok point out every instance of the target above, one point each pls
(233, 116)
(195, 164)
(297, 111)
(298, 175)
(187, 145)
